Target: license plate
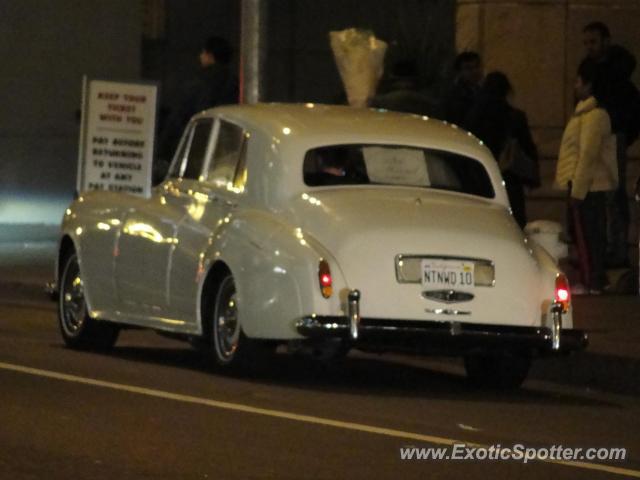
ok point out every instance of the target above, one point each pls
(447, 274)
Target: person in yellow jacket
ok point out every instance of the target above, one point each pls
(587, 170)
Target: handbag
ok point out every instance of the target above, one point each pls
(514, 160)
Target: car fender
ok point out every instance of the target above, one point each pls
(549, 270)
(275, 267)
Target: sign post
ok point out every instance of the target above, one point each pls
(117, 136)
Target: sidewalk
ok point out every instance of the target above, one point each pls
(27, 266)
(610, 363)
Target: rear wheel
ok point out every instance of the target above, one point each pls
(78, 329)
(230, 347)
(497, 370)
(226, 341)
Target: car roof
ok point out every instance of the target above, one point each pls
(290, 130)
(332, 123)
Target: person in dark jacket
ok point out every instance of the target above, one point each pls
(494, 121)
(621, 99)
(403, 94)
(215, 84)
(466, 85)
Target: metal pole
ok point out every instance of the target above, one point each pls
(253, 49)
(82, 147)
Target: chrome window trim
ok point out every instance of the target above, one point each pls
(213, 141)
(241, 165)
(185, 141)
(185, 162)
(207, 171)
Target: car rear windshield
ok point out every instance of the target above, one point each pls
(396, 165)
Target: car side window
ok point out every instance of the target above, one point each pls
(227, 153)
(176, 167)
(198, 148)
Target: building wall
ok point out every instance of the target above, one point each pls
(300, 65)
(171, 56)
(46, 48)
(300, 62)
(538, 44)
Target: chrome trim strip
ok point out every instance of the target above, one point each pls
(448, 296)
(353, 312)
(556, 328)
(313, 323)
(446, 311)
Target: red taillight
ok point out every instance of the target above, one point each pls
(563, 293)
(324, 277)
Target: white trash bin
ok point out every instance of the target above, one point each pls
(547, 234)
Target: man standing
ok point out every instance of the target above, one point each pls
(215, 84)
(620, 97)
(403, 94)
(462, 96)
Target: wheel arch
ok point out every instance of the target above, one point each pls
(66, 247)
(275, 274)
(211, 280)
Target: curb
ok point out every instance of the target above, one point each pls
(598, 371)
(30, 292)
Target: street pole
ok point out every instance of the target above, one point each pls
(253, 49)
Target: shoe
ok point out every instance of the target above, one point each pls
(579, 289)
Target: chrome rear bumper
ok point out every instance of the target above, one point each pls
(441, 337)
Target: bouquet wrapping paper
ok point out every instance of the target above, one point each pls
(359, 57)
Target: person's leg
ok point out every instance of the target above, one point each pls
(618, 212)
(584, 264)
(593, 213)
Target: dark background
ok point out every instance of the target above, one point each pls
(48, 46)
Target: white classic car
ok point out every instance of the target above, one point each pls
(323, 226)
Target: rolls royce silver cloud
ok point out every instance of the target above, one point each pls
(324, 227)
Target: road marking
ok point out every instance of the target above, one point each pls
(238, 407)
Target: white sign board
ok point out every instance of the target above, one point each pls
(117, 137)
(396, 166)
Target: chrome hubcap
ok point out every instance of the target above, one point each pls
(227, 328)
(73, 304)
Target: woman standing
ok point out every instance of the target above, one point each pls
(587, 170)
(494, 121)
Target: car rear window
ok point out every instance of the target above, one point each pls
(396, 165)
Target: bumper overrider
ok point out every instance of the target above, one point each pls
(442, 337)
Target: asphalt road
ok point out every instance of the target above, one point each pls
(152, 408)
